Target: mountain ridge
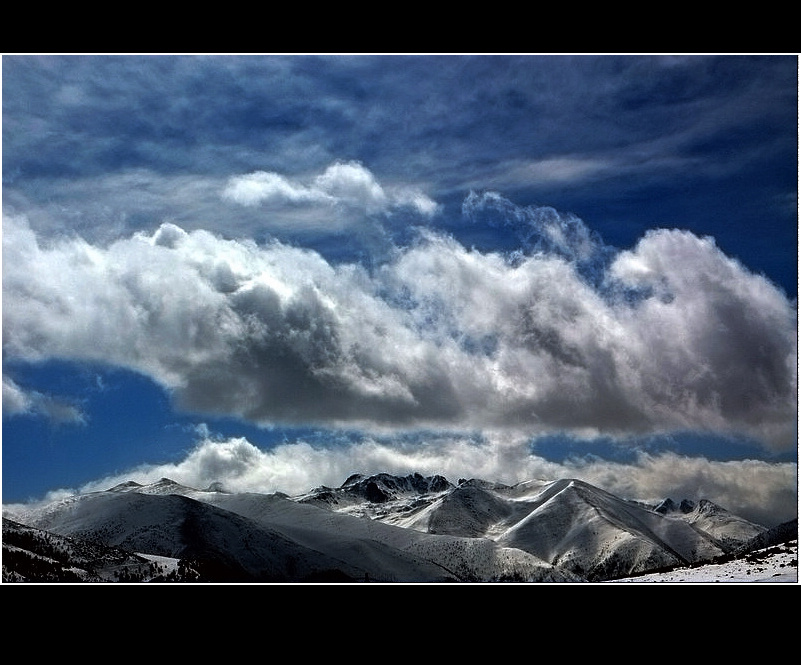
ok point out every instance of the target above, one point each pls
(390, 528)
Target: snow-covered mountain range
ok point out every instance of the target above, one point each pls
(379, 528)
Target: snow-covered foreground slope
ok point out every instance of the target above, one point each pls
(769, 565)
(34, 554)
(387, 528)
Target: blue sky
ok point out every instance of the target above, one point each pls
(273, 271)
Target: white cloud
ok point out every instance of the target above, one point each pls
(260, 186)
(352, 183)
(347, 184)
(715, 341)
(761, 491)
(440, 336)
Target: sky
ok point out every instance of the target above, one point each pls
(273, 271)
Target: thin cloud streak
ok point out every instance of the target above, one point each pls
(18, 401)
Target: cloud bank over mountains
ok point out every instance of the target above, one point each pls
(569, 335)
(760, 491)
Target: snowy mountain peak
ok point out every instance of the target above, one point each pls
(128, 486)
(163, 486)
(352, 480)
(668, 505)
(709, 508)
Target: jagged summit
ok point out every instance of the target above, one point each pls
(351, 480)
(666, 506)
(414, 482)
(686, 506)
(380, 488)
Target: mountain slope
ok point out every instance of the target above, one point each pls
(34, 555)
(568, 523)
(728, 530)
(777, 535)
(173, 525)
(595, 534)
(384, 551)
(258, 537)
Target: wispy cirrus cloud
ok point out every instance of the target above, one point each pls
(17, 401)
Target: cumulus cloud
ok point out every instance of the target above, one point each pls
(438, 336)
(762, 492)
(344, 184)
(720, 341)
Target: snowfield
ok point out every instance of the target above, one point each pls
(769, 565)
